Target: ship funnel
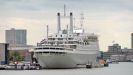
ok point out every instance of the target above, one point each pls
(58, 24)
(71, 22)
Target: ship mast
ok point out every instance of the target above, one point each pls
(82, 21)
(64, 10)
(47, 31)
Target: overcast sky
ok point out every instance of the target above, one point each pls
(112, 20)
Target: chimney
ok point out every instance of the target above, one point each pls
(58, 24)
(71, 22)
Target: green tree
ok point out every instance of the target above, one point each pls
(15, 56)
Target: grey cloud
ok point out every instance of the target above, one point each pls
(101, 15)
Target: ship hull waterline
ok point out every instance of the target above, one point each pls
(69, 60)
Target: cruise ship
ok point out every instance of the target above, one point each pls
(67, 48)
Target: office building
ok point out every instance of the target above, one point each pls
(16, 37)
(114, 48)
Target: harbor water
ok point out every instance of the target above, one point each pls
(123, 68)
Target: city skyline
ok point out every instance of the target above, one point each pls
(111, 19)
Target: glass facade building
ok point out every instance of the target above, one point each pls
(16, 37)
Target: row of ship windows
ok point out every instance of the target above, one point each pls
(51, 52)
(87, 40)
(60, 39)
(61, 35)
(50, 48)
(81, 43)
(84, 43)
(70, 42)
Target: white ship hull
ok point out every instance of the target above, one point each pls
(69, 60)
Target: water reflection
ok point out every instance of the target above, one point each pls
(123, 68)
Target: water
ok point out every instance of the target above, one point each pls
(123, 68)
